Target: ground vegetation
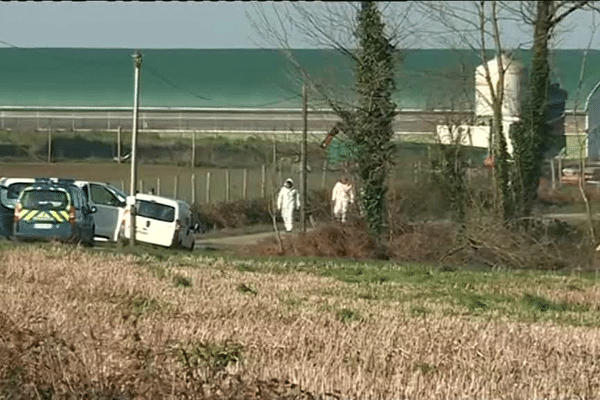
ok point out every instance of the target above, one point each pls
(77, 323)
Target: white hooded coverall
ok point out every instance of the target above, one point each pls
(287, 201)
(342, 196)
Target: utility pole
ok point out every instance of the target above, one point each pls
(303, 180)
(137, 63)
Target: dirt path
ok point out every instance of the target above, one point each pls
(229, 242)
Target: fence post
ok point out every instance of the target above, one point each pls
(245, 184)
(141, 189)
(208, 188)
(193, 188)
(193, 149)
(324, 178)
(157, 186)
(175, 187)
(559, 172)
(275, 168)
(119, 144)
(263, 181)
(227, 187)
(552, 169)
(274, 152)
(122, 185)
(49, 141)
(415, 172)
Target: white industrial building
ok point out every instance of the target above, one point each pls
(478, 135)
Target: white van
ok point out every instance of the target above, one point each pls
(160, 221)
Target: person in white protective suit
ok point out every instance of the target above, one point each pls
(342, 196)
(288, 201)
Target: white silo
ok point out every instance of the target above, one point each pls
(513, 85)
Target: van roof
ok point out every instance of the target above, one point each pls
(6, 181)
(9, 181)
(161, 199)
(46, 186)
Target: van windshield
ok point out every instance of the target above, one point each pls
(44, 200)
(161, 212)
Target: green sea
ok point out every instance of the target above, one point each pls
(249, 78)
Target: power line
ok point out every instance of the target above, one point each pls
(170, 83)
(273, 102)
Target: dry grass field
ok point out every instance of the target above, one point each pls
(78, 323)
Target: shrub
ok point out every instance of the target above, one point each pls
(232, 215)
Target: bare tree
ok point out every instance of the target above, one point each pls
(582, 158)
(477, 25)
(365, 108)
(532, 137)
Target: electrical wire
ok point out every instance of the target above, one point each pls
(170, 83)
(271, 103)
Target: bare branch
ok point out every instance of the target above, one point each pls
(577, 5)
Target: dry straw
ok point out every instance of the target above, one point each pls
(79, 324)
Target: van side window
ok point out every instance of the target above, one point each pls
(102, 196)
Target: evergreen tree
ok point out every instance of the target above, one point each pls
(531, 135)
(372, 132)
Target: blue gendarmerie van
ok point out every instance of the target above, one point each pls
(54, 209)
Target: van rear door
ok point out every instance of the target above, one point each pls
(155, 223)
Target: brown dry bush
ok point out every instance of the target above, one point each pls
(416, 201)
(233, 214)
(351, 240)
(546, 244)
(328, 240)
(427, 241)
(566, 194)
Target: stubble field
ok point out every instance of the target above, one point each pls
(76, 323)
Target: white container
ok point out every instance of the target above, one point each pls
(513, 87)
